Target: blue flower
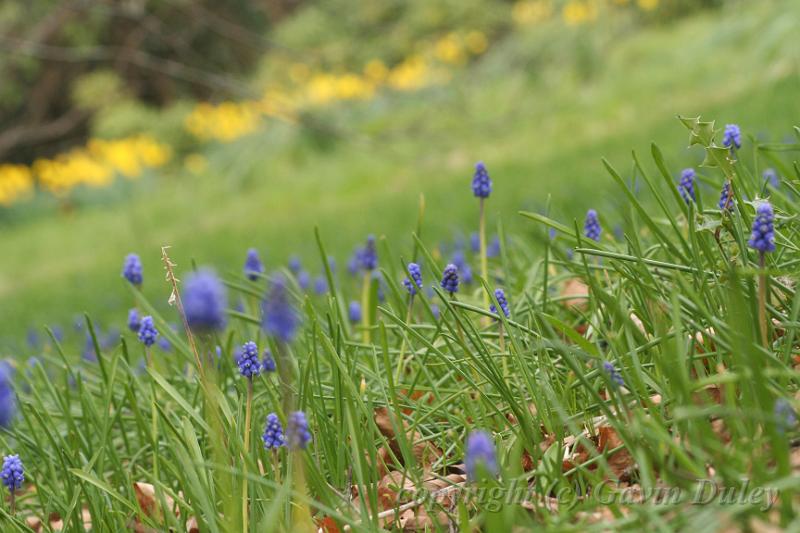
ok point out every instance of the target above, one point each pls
(686, 185)
(132, 269)
(268, 363)
(147, 331)
(280, 318)
(501, 299)
(164, 343)
(320, 285)
(8, 400)
(592, 227)
(414, 281)
(303, 280)
(273, 433)
(294, 264)
(493, 250)
(474, 242)
(13, 473)
(762, 237)
(481, 183)
(463, 267)
(450, 279)
(480, 453)
(354, 312)
(725, 198)
(785, 417)
(133, 320)
(613, 374)
(732, 137)
(253, 267)
(247, 360)
(204, 301)
(369, 255)
(354, 263)
(297, 434)
(771, 178)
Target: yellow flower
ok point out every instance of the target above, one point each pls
(16, 182)
(577, 12)
(448, 50)
(531, 12)
(476, 42)
(409, 75)
(375, 71)
(647, 5)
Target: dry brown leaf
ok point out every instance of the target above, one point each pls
(424, 452)
(328, 525)
(621, 461)
(576, 294)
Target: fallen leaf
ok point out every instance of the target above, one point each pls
(576, 294)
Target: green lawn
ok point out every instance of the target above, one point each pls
(360, 169)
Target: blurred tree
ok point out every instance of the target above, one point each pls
(152, 50)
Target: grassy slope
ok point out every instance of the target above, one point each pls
(540, 133)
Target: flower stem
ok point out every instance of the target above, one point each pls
(13, 502)
(762, 299)
(401, 363)
(365, 292)
(484, 260)
(247, 412)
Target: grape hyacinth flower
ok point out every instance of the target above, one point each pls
(354, 312)
(463, 267)
(13, 473)
(253, 267)
(303, 280)
(493, 250)
(164, 344)
(762, 237)
(247, 360)
(280, 318)
(501, 299)
(268, 362)
(770, 178)
(613, 374)
(481, 182)
(320, 285)
(8, 400)
(297, 434)
(369, 255)
(147, 332)
(480, 453)
(450, 279)
(414, 280)
(785, 417)
(204, 301)
(686, 185)
(732, 137)
(475, 242)
(294, 265)
(133, 320)
(132, 270)
(273, 433)
(725, 197)
(592, 227)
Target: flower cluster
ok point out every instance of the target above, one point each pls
(686, 185)
(247, 360)
(480, 453)
(613, 374)
(8, 400)
(280, 319)
(132, 270)
(732, 137)
(762, 237)
(354, 312)
(591, 226)
(297, 434)
(134, 323)
(368, 256)
(147, 331)
(481, 183)
(501, 299)
(253, 267)
(725, 197)
(450, 279)
(273, 433)
(13, 473)
(204, 301)
(414, 280)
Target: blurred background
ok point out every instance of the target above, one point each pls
(218, 125)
